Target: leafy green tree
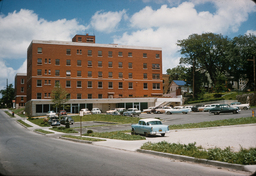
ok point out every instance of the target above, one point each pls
(206, 52)
(8, 95)
(59, 96)
(177, 73)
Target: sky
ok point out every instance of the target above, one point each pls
(153, 23)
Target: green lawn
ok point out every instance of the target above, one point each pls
(120, 135)
(39, 122)
(83, 138)
(23, 123)
(43, 131)
(63, 130)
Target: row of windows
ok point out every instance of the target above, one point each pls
(100, 75)
(89, 63)
(155, 86)
(100, 54)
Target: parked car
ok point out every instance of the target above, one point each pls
(201, 109)
(161, 110)
(148, 111)
(112, 112)
(171, 110)
(206, 109)
(63, 112)
(96, 111)
(241, 106)
(195, 108)
(150, 127)
(64, 119)
(51, 119)
(132, 112)
(51, 114)
(54, 121)
(224, 108)
(86, 111)
(154, 109)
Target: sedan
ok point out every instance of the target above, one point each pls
(224, 108)
(65, 119)
(63, 112)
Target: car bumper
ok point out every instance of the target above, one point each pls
(157, 132)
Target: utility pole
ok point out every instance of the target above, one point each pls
(7, 92)
(253, 77)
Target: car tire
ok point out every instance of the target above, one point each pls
(235, 112)
(245, 108)
(216, 113)
(146, 134)
(169, 113)
(133, 132)
(163, 134)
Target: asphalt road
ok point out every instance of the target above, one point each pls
(23, 152)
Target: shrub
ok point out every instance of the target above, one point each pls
(89, 131)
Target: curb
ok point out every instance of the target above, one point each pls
(75, 140)
(248, 168)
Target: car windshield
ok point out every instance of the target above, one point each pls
(154, 123)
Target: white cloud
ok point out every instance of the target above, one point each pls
(251, 32)
(164, 26)
(18, 29)
(107, 21)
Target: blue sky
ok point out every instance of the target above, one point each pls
(156, 23)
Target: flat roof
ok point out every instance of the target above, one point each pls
(52, 42)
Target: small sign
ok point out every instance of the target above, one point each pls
(81, 113)
(252, 113)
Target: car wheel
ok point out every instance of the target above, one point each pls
(163, 134)
(133, 132)
(148, 113)
(158, 112)
(146, 134)
(216, 113)
(245, 108)
(235, 112)
(169, 113)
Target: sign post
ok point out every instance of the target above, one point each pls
(253, 113)
(81, 115)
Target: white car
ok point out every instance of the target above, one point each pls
(86, 111)
(241, 106)
(51, 114)
(148, 111)
(112, 112)
(96, 111)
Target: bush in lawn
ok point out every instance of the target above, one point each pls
(89, 131)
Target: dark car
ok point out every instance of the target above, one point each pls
(64, 119)
(63, 112)
(52, 119)
(55, 122)
(195, 108)
(224, 108)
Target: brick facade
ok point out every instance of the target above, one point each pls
(20, 90)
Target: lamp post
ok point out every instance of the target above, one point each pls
(253, 77)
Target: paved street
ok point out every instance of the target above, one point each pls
(23, 152)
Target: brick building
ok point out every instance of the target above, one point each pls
(95, 75)
(20, 90)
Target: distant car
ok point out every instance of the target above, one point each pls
(86, 111)
(171, 110)
(96, 111)
(241, 106)
(63, 112)
(51, 114)
(195, 108)
(224, 108)
(51, 119)
(149, 127)
(55, 122)
(148, 111)
(112, 112)
(201, 109)
(206, 109)
(64, 119)
(132, 112)
(120, 109)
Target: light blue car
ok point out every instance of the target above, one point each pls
(149, 127)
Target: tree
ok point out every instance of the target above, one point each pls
(8, 95)
(59, 96)
(177, 73)
(206, 52)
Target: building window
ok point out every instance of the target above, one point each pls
(68, 96)
(89, 74)
(45, 95)
(155, 66)
(89, 63)
(100, 53)
(129, 75)
(68, 84)
(120, 64)
(120, 95)
(79, 39)
(110, 64)
(100, 74)
(68, 73)
(68, 51)
(110, 85)
(22, 89)
(145, 65)
(57, 62)
(156, 86)
(50, 61)
(49, 82)
(79, 63)
(45, 71)
(22, 81)
(39, 83)
(49, 71)
(99, 63)
(89, 40)
(39, 72)
(130, 85)
(38, 96)
(145, 76)
(89, 52)
(130, 54)
(157, 56)
(99, 84)
(99, 96)
(45, 61)
(89, 96)
(129, 65)
(57, 82)
(22, 98)
(120, 85)
(39, 50)
(49, 95)
(79, 73)
(79, 84)
(39, 61)
(144, 55)
(78, 96)
(110, 74)
(68, 62)
(120, 74)
(120, 54)
(110, 54)
(78, 51)
(57, 73)
(45, 82)
(89, 84)
(155, 76)
(145, 85)
(130, 95)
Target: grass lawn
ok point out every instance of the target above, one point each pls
(39, 122)
(9, 114)
(63, 130)
(82, 138)
(19, 112)
(23, 123)
(120, 135)
(43, 131)
(226, 122)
